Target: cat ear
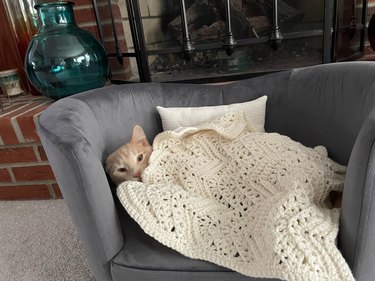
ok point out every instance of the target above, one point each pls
(139, 136)
(108, 163)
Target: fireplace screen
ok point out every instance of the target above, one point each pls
(214, 40)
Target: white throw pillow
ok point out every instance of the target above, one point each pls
(175, 117)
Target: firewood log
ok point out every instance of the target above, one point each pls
(261, 25)
(214, 32)
(287, 13)
(206, 12)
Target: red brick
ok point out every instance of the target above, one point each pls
(93, 30)
(21, 109)
(105, 13)
(126, 76)
(27, 125)
(88, 14)
(7, 133)
(121, 72)
(108, 31)
(84, 15)
(106, 28)
(33, 173)
(115, 65)
(4, 176)
(57, 191)
(23, 192)
(17, 155)
(42, 153)
(28, 129)
(17, 110)
(9, 108)
(82, 2)
(110, 46)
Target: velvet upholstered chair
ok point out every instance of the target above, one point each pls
(330, 105)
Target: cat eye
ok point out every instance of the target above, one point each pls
(122, 170)
(140, 158)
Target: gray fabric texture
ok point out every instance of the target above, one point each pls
(38, 242)
(121, 273)
(70, 148)
(321, 105)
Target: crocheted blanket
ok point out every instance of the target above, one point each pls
(249, 201)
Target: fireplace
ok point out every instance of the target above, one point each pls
(220, 40)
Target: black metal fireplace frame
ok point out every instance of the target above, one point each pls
(141, 53)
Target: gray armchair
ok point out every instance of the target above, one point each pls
(330, 105)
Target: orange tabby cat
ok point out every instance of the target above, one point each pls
(128, 162)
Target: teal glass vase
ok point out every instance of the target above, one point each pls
(63, 59)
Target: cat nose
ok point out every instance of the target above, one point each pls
(137, 174)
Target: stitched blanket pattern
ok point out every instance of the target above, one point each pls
(249, 201)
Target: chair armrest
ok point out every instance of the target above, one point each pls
(72, 141)
(357, 220)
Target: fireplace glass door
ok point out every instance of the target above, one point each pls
(218, 40)
(350, 28)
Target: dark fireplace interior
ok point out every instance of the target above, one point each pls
(250, 20)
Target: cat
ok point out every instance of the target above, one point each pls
(128, 162)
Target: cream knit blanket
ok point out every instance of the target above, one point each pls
(253, 202)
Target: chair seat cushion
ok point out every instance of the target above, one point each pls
(143, 258)
(143, 251)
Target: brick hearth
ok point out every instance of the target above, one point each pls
(24, 169)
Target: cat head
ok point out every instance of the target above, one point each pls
(129, 161)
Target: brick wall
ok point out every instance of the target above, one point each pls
(24, 169)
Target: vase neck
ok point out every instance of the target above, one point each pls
(55, 14)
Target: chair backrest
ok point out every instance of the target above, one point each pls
(319, 105)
